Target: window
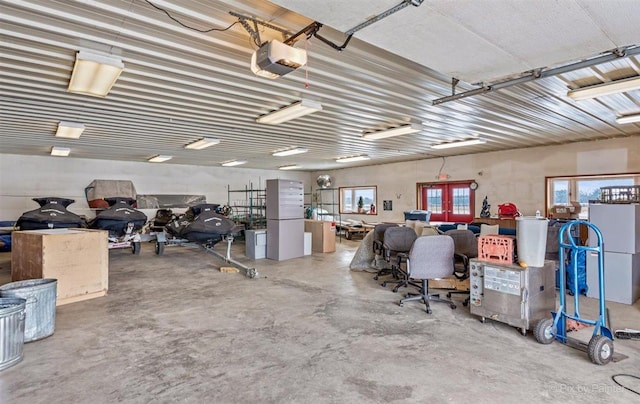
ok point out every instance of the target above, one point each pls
(582, 189)
(358, 200)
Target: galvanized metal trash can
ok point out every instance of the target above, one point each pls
(12, 316)
(40, 295)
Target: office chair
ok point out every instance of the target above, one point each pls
(397, 244)
(466, 247)
(431, 257)
(378, 246)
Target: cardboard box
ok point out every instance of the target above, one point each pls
(77, 258)
(323, 235)
(570, 211)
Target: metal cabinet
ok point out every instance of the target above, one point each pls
(511, 294)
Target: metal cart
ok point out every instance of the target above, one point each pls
(600, 347)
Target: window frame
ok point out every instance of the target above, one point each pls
(572, 189)
(354, 204)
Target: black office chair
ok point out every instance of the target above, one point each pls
(431, 257)
(397, 244)
(378, 247)
(466, 247)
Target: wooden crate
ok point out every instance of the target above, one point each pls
(449, 283)
(77, 258)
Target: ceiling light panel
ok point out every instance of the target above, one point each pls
(398, 131)
(351, 159)
(69, 130)
(160, 158)
(460, 143)
(290, 152)
(628, 118)
(202, 143)
(60, 151)
(295, 110)
(233, 163)
(600, 90)
(94, 74)
(289, 167)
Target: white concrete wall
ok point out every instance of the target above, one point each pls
(516, 176)
(26, 177)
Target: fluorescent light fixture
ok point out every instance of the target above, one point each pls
(274, 59)
(289, 167)
(628, 118)
(202, 143)
(600, 90)
(232, 163)
(400, 130)
(290, 152)
(459, 143)
(295, 110)
(60, 151)
(94, 73)
(160, 158)
(352, 158)
(69, 130)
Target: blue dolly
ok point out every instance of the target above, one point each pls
(600, 348)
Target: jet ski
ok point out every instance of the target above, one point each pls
(203, 224)
(117, 218)
(52, 214)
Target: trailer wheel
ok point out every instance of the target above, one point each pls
(544, 331)
(600, 350)
(347, 235)
(135, 247)
(159, 248)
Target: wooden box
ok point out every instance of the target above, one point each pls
(77, 258)
(449, 283)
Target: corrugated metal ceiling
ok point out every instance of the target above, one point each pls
(180, 85)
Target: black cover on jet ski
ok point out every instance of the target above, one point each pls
(201, 224)
(52, 214)
(118, 216)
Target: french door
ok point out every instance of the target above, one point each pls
(448, 201)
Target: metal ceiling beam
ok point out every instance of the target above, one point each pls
(540, 73)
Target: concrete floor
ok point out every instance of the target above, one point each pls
(175, 329)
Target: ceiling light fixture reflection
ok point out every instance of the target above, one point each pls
(289, 167)
(628, 118)
(599, 90)
(459, 143)
(398, 131)
(60, 151)
(94, 73)
(290, 152)
(69, 130)
(295, 110)
(232, 163)
(202, 143)
(350, 159)
(160, 158)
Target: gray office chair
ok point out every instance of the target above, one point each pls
(397, 244)
(431, 257)
(466, 247)
(378, 246)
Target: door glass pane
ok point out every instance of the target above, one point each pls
(434, 200)
(461, 201)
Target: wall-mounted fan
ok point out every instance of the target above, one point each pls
(324, 181)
